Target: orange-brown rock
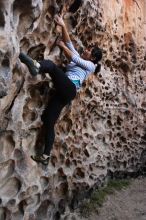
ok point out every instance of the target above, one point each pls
(101, 135)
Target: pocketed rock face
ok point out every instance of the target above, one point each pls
(101, 134)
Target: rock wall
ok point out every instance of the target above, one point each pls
(101, 134)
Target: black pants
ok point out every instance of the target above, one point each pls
(64, 94)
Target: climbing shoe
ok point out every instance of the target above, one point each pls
(40, 159)
(32, 65)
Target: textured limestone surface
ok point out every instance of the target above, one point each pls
(103, 132)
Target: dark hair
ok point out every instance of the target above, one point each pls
(97, 56)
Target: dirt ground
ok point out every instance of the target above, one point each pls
(126, 204)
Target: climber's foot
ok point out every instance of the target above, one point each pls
(30, 63)
(40, 159)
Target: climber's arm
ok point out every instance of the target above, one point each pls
(65, 34)
(67, 51)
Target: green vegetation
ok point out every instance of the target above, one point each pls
(99, 196)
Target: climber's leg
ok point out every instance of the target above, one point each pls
(49, 117)
(65, 93)
(63, 85)
(32, 65)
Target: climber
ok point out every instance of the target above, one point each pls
(66, 84)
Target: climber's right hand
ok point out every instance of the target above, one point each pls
(59, 20)
(60, 43)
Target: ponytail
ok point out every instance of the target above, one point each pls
(97, 55)
(98, 68)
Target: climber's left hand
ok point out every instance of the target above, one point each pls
(59, 20)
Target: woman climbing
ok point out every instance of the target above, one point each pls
(65, 84)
